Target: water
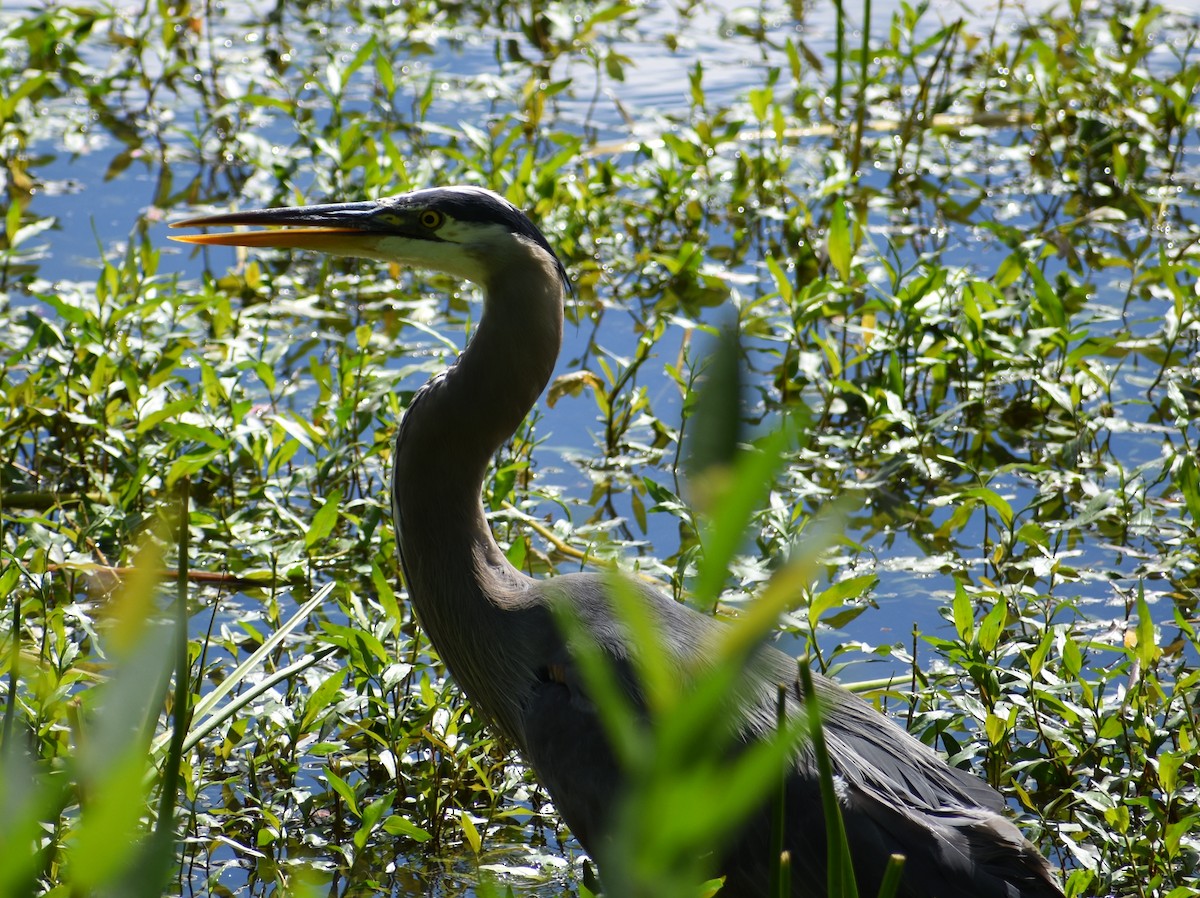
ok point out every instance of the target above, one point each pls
(96, 213)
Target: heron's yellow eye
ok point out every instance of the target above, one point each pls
(432, 219)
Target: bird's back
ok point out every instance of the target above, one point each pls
(897, 795)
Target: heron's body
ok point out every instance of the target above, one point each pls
(496, 630)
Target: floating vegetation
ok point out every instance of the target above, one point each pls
(962, 257)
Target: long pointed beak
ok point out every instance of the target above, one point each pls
(338, 228)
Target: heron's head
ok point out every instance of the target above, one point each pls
(464, 231)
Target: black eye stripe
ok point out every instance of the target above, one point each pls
(465, 206)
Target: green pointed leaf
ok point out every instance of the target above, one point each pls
(324, 520)
(841, 250)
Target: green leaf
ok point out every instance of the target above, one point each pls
(964, 614)
(470, 832)
(836, 595)
(320, 698)
(781, 279)
(997, 728)
(371, 816)
(400, 826)
(170, 410)
(324, 520)
(187, 465)
(714, 428)
(1147, 643)
(1073, 660)
(992, 626)
(342, 788)
(841, 252)
(992, 500)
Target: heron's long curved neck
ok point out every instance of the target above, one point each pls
(458, 578)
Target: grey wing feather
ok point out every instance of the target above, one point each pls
(896, 794)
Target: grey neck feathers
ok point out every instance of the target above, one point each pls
(457, 577)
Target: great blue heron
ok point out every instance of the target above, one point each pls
(494, 626)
